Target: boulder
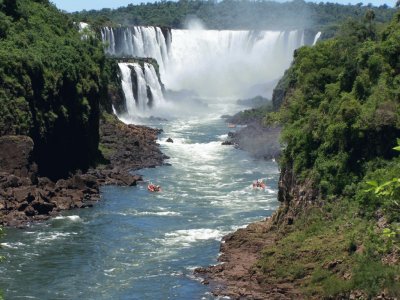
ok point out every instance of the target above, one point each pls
(15, 155)
(169, 140)
(30, 211)
(10, 180)
(43, 208)
(89, 181)
(126, 179)
(23, 193)
(62, 203)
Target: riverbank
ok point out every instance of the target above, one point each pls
(237, 276)
(262, 142)
(26, 197)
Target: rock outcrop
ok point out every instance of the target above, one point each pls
(259, 141)
(16, 155)
(26, 197)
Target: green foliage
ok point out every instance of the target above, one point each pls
(340, 113)
(235, 14)
(329, 252)
(52, 79)
(372, 276)
(382, 188)
(341, 106)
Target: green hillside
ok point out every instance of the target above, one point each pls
(51, 83)
(340, 212)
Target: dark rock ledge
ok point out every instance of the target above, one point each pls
(26, 197)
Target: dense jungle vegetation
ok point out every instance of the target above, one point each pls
(51, 83)
(235, 14)
(341, 117)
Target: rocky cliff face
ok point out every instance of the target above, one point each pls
(16, 156)
(26, 197)
(295, 197)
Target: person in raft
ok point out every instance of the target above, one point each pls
(154, 188)
(258, 184)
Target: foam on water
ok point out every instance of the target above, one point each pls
(44, 238)
(12, 245)
(186, 237)
(73, 218)
(160, 213)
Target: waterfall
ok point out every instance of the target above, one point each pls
(137, 41)
(212, 63)
(127, 87)
(153, 83)
(228, 63)
(141, 88)
(316, 38)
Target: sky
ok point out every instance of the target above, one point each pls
(77, 5)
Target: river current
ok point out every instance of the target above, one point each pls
(134, 244)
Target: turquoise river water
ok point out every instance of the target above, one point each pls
(135, 244)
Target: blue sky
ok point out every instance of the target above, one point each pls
(75, 5)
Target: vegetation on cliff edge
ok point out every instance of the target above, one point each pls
(52, 81)
(341, 118)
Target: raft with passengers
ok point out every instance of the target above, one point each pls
(153, 187)
(259, 184)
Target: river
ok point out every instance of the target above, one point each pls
(134, 244)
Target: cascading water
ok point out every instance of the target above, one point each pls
(228, 63)
(316, 38)
(153, 82)
(210, 62)
(141, 88)
(137, 41)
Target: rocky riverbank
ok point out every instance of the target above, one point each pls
(258, 140)
(237, 276)
(26, 197)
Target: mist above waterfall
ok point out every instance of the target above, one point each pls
(194, 23)
(228, 63)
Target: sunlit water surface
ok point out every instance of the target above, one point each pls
(135, 244)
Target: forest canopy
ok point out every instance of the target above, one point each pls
(51, 82)
(235, 14)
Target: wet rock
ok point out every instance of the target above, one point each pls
(169, 140)
(226, 143)
(62, 202)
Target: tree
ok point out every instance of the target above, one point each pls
(370, 16)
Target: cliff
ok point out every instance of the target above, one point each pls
(335, 234)
(56, 90)
(52, 84)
